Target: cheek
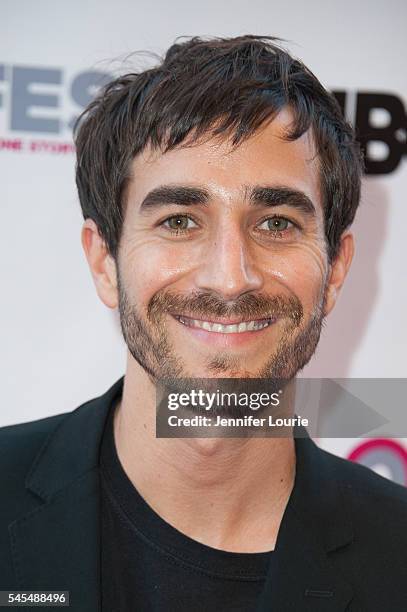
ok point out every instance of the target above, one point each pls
(149, 266)
(301, 269)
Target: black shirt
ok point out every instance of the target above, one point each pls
(149, 566)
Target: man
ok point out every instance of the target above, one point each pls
(218, 190)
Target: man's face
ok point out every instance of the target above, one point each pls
(222, 264)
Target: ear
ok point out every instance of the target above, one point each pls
(101, 264)
(338, 270)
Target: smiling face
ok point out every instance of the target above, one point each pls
(222, 266)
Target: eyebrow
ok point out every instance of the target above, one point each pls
(185, 195)
(277, 196)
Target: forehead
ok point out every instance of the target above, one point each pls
(266, 158)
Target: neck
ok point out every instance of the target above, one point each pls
(223, 492)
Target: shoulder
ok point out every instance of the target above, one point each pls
(20, 444)
(354, 474)
(71, 435)
(27, 436)
(371, 495)
(67, 442)
(36, 428)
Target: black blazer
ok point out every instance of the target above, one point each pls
(342, 544)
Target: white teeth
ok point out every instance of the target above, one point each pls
(226, 329)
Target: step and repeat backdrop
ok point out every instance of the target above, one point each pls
(60, 345)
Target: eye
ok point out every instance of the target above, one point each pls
(178, 223)
(276, 224)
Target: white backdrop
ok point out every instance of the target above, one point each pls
(60, 345)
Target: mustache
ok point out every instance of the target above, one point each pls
(201, 304)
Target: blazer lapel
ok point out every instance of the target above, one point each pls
(57, 545)
(315, 524)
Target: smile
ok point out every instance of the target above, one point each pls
(222, 328)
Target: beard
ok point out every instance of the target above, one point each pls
(148, 341)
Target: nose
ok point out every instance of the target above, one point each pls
(229, 267)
